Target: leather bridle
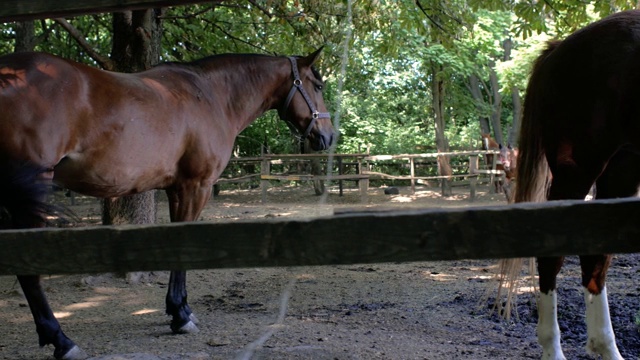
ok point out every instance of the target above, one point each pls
(297, 86)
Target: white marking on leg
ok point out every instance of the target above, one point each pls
(188, 328)
(75, 354)
(548, 329)
(193, 318)
(600, 337)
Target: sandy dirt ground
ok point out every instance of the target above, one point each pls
(429, 310)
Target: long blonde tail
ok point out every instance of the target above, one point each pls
(532, 178)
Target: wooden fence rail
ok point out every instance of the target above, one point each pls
(521, 230)
(15, 10)
(363, 169)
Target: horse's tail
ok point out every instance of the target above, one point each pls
(533, 170)
(532, 175)
(23, 196)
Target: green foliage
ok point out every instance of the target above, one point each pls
(386, 97)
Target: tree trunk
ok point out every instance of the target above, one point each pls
(136, 47)
(474, 87)
(514, 131)
(515, 98)
(25, 36)
(136, 39)
(496, 106)
(437, 93)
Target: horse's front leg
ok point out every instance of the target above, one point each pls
(600, 337)
(182, 319)
(548, 329)
(47, 326)
(185, 204)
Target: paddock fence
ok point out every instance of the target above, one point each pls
(319, 168)
(518, 230)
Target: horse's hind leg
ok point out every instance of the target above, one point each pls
(48, 328)
(548, 330)
(185, 204)
(24, 188)
(620, 179)
(569, 182)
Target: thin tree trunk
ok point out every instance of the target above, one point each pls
(25, 36)
(515, 98)
(474, 87)
(136, 47)
(514, 131)
(437, 93)
(496, 106)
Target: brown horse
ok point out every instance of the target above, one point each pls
(581, 123)
(108, 134)
(504, 157)
(508, 160)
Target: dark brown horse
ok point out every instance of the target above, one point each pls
(108, 134)
(581, 123)
(505, 163)
(509, 164)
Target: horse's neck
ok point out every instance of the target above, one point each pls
(247, 86)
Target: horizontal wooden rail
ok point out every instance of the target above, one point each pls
(409, 177)
(305, 177)
(429, 155)
(520, 230)
(15, 10)
(238, 179)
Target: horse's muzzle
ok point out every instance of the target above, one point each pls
(322, 140)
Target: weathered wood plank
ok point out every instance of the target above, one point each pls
(521, 230)
(309, 177)
(15, 10)
(429, 155)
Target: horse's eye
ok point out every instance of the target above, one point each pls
(319, 87)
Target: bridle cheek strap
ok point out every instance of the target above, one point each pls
(297, 86)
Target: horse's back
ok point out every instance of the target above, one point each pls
(591, 78)
(104, 133)
(39, 94)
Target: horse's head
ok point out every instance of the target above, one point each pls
(488, 143)
(508, 157)
(304, 107)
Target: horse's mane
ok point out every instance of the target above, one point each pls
(208, 60)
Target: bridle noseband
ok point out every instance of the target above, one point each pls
(297, 86)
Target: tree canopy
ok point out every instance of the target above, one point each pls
(381, 59)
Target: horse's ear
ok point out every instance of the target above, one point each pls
(500, 146)
(311, 58)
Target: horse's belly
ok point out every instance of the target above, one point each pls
(105, 179)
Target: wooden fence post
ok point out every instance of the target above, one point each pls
(412, 166)
(265, 169)
(473, 180)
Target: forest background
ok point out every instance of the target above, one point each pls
(401, 76)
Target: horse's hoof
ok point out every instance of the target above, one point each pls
(193, 318)
(75, 354)
(188, 328)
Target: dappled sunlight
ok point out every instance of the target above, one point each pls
(402, 199)
(483, 277)
(107, 290)
(305, 277)
(62, 314)
(421, 195)
(526, 289)
(51, 277)
(145, 312)
(97, 298)
(438, 276)
(83, 305)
